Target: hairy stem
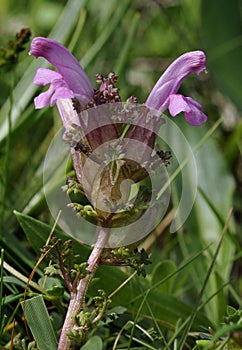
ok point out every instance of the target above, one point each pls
(79, 291)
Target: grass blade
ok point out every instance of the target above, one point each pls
(196, 307)
(39, 323)
(105, 35)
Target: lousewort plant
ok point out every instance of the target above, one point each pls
(113, 147)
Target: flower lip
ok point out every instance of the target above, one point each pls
(46, 76)
(192, 109)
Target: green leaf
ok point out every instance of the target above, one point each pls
(112, 315)
(52, 286)
(231, 310)
(13, 281)
(203, 343)
(39, 323)
(205, 223)
(93, 343)
(166, 308)
(12, 298)
(102, 39)
(162, 270)
(218, 185)
(38, 232)
(223, 44)
(1, 290)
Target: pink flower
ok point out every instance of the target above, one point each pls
(72, 92)
(192, 110)
(164, 96)
(70, 81)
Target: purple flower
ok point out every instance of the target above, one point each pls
(101, 172)
(71, 81)
(164, 96)
(58, 88)
(192, 109)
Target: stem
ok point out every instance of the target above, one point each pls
(79, 292)
(64, 272)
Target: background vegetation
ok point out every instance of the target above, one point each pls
(183, 302)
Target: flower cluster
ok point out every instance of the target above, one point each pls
(70, 81)
(10, 54)
(112, 143)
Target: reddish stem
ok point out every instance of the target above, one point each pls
(78, 293)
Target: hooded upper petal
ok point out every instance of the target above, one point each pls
(192, 109)
(172, 78)
(66, 64)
